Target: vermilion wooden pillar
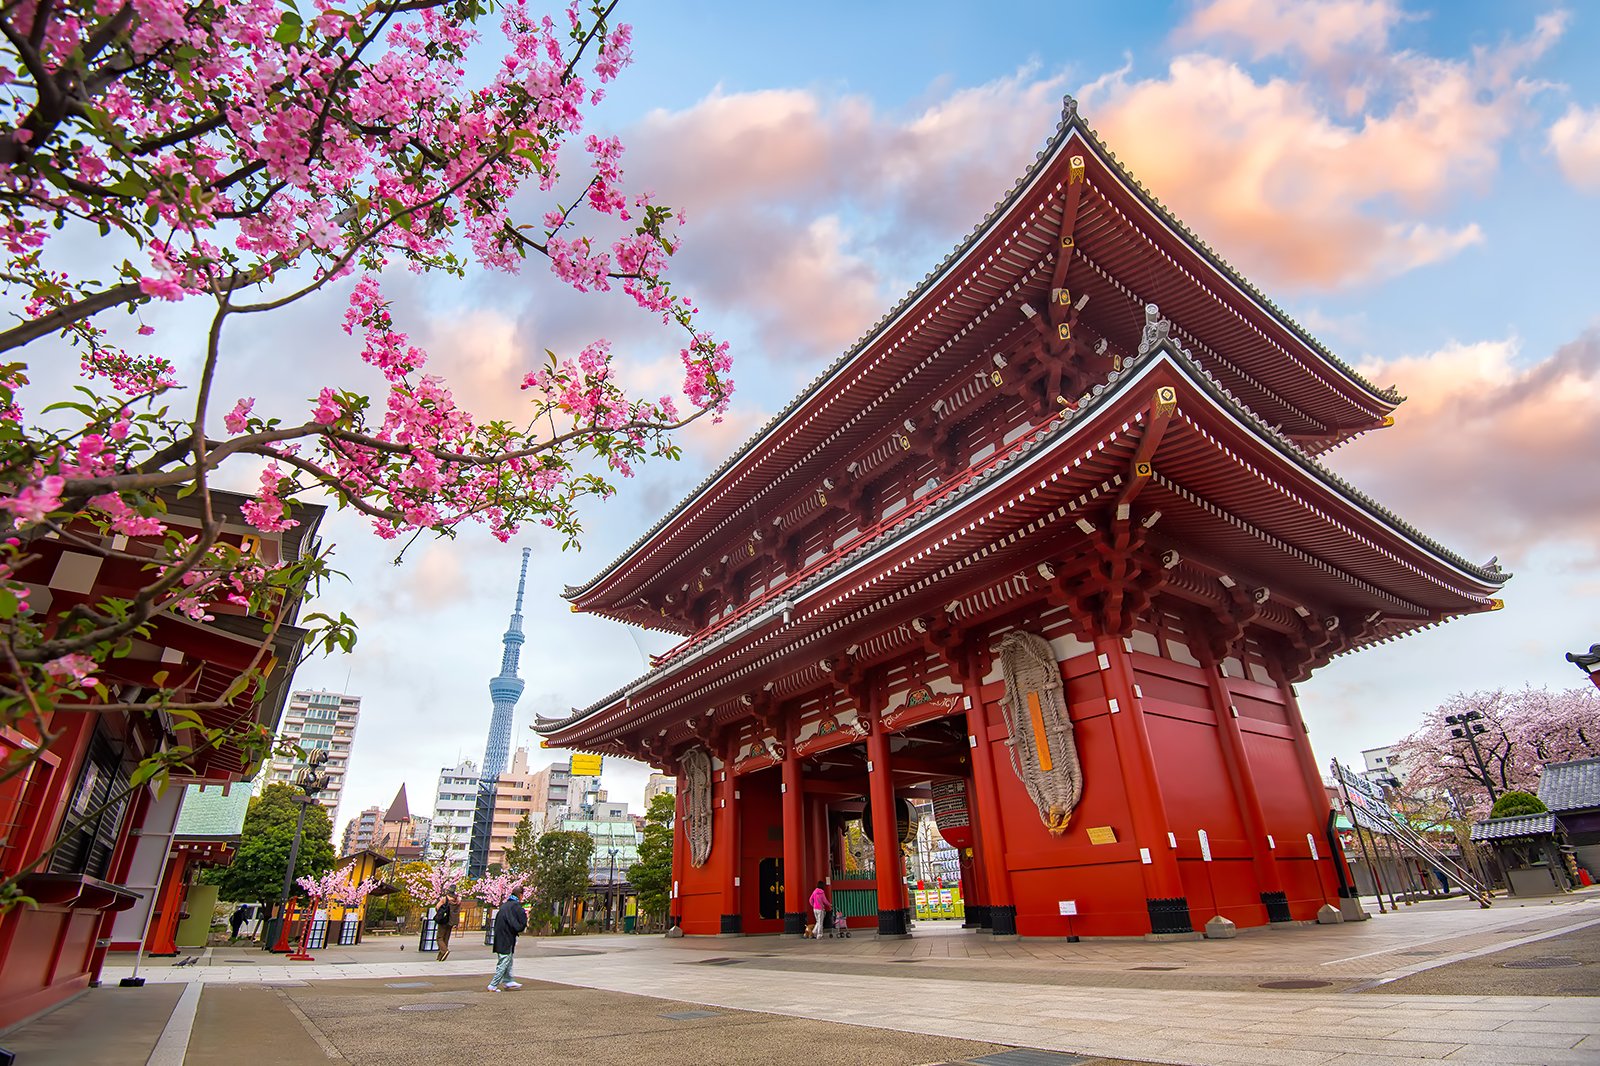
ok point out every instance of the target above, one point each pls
(892, 918)
(1164, 895)
(1349, 897)
(1000, 909)
(1237, 761)
(680, 852)
(163, 939)
(795, 889)
(725, 842)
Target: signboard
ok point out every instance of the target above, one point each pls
(586, 765)
(1102, 834)
(1205, 846)
(1069, 907)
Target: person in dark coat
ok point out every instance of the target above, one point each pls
(445, 916)
(240, 915)
(509, 922)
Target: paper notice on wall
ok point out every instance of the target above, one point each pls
(1311, 840)
(1069, 907)
(1205, 846)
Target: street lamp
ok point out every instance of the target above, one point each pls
(611, 891)
(1467, 728)
(1588, 662)
(310, 779)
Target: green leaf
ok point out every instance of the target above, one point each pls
(288, 31)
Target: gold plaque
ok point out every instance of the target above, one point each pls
(1102, 834)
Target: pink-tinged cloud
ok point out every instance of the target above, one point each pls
(1574, 140)
(793, 198)
(1320, 31)
(1492, 454)
(1270, 173)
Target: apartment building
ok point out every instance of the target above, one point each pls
(454, 800)
(317, 719)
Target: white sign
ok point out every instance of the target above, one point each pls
(1313, 842)
(1205, 846)
(1069, 907)
(1144, 856)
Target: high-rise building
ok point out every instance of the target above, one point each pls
(317, 719)
(504, 691)
(547, 796)
(401, 835)
(361, 831)
(453, 804)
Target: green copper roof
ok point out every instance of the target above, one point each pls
(208, 813)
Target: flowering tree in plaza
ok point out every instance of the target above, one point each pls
(1522, 732)
(429, 884)
(241, 156)
(497, 888)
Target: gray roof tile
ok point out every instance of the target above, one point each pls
(1521, 825)
(1571, 786)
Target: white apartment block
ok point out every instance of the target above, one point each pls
(315, 719)
(453, 803)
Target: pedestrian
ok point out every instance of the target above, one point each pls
(236, 922)
(509, 922)
(821, 906)
(445, 916)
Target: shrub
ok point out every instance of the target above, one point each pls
(1512, 804)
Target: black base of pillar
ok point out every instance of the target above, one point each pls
(1170, 915)
(1003, 920)
(733, 923)
(892, 923)
(985, 916)
(977, 916)
(1277, 906)
(794, 923)
(1350, 892)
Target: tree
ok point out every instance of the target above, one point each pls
(256, 875)
(651, 876)
(1522, 732)
(238, 158)
(561, 871)
(522, 856)
(1513, 804)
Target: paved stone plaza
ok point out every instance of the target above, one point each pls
(1437, 982)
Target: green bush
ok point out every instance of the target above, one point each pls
(1512, 804)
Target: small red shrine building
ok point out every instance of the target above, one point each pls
(118, 872)
(1050, 546)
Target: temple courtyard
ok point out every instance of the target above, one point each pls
(1436, 982)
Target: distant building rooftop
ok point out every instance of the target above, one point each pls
(1571, 786)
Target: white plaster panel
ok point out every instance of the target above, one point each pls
(75, 572)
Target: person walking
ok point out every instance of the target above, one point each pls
(236, 922)
(509, 922)
(445, 916)
(819, 904)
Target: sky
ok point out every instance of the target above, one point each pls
(1418, 185)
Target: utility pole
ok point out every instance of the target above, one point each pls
(1467, 727)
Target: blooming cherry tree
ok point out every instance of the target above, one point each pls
(238, 157)
(496, 889)
(1523, 730)
(427, 886)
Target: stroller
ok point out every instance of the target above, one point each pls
(841, 924)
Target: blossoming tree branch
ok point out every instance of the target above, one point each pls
(242, 156)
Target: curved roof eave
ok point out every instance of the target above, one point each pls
(1070, 121)
(1101, 394)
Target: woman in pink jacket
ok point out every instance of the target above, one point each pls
(819, 904)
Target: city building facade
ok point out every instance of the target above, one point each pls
(318, 719)
(361, 831)
(454, 799)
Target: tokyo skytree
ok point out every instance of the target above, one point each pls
(504, 691)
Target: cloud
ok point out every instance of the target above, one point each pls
(1490, 446)
(1270, 171)
(1574, 140)
(1320, 31)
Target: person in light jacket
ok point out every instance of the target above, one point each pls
(509, 922)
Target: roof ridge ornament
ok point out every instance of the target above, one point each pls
(1157, 330)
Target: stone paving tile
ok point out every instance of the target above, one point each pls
(1520, 1056)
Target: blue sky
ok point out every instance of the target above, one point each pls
(1420, 186)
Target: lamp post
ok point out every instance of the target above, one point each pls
(611, 892)
(1467, 728)
(1588, 662)
(310, 779)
